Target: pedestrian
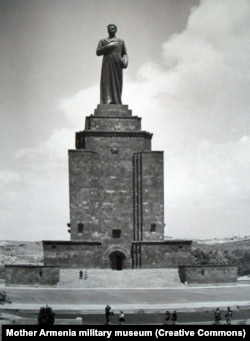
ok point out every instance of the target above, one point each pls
(80, 274)
(228, 315)
(174, 317)
(121, 317)
(108, 313)
(167, 316)
(217, 316)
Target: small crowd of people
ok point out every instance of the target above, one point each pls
(109, 314)
(228, 316)
(171, 318)
(81, 274)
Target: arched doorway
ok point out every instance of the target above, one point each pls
(117, 259)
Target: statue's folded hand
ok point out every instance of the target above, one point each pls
(124, 61)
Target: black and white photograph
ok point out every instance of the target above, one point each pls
(124, 163)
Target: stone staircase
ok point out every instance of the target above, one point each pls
(105, 278)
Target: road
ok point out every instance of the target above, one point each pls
(158, 299)
(195, 305)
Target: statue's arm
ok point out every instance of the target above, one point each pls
(124, 56)
(124, 61)
(104, 47)
(100, 48)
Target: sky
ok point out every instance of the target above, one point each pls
(188, 79)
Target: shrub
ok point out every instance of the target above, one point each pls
(46, 316)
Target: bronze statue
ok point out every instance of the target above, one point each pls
(115, 59)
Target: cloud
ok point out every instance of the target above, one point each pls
(196, 102)
(7, 177)
(72, 106)
(213, 175)
(34, 203)
(35, 191)
(203, 80)
(50, 153)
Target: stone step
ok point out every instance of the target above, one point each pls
(106, 278)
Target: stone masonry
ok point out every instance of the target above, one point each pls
(116, 190)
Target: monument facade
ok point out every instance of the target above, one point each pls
(116, 185)
(116, 196)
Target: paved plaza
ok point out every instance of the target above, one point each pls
(72, 302)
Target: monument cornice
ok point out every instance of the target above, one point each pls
(82, 135)
(99, 133)
(70, 242)
(163, 242)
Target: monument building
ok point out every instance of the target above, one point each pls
(116, 197)
(116, 185)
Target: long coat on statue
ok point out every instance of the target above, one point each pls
(114, 61)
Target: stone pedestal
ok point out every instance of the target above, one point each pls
(116, 190)
(116, 184)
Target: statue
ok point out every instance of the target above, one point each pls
(115, 59)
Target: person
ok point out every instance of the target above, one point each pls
(80, 274)
(121, 317)
(115, 59)
(108, 313)
(174, 317)
(167, 316)
(228, 315)
(217, 316)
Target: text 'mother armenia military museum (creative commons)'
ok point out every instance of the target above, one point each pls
(116, 185)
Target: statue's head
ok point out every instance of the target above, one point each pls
(112, 28)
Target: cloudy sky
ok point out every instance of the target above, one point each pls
(188, 78)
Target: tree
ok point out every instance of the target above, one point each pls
(46, 316)
(3, 298)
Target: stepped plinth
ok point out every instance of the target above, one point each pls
(112, 110)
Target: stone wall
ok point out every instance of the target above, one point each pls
(82, 193)
(208, 273)
(166, 254)
(138, 255)
(152, 195)
(31, 275)
(113, 123)
(116, 182)
(66, 254)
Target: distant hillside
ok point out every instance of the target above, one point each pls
(236, 251)
(17, 252)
